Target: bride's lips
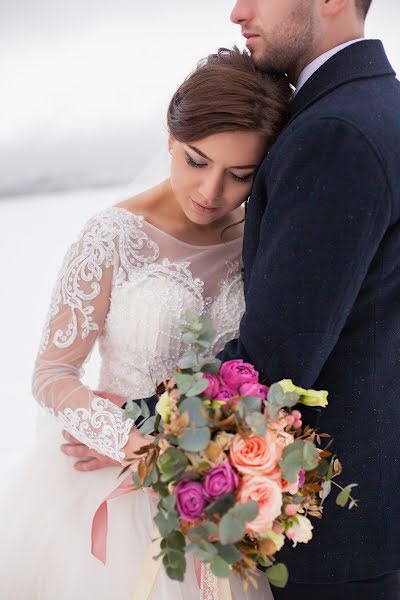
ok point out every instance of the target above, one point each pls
(203, 210)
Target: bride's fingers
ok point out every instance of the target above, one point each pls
(70, 438)
(87, 465)
(93, 464)
(76, 450)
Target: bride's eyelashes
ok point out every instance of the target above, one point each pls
(196, 165)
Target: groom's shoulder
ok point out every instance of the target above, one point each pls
(368, 109)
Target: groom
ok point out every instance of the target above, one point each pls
(322, 275)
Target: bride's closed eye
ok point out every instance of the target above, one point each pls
(241, 179)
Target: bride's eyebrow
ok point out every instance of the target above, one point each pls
(211, 160)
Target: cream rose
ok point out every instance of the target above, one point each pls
(301, 531)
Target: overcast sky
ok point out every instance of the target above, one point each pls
(85, 83)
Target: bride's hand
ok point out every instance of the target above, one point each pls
(135, 441)
(88, 459)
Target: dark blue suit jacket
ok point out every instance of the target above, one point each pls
(322, 285)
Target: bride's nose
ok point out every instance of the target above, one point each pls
(211, 187)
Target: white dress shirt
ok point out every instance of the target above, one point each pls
(319, 61)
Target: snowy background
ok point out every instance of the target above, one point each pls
(85, 86)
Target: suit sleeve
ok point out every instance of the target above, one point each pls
(327, 212)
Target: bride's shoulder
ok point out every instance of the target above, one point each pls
(140, 205)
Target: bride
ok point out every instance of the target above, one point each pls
(126, 284)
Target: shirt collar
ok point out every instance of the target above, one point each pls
(310, 69)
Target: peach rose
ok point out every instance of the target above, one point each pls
(255, 455)
(267, 493)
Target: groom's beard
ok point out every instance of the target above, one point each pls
(291, 43)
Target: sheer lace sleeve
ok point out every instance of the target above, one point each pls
(109, 246)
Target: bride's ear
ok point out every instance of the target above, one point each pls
(171, 143)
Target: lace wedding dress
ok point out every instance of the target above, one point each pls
(127, 286)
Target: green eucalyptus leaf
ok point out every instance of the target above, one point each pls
(183, 381)
(189, 337)
(291, 399)
(176, 541)
(203, 532)
(169, 503)
(195, 440)
(252, 404)
(205, 551)
(220, 567)
(245, 512)
(161, 489)
(257, 423)
(210, 365)
(278, 575)
(148, 426)
(231, 529)
(194, 321)
(194, 406)
(172, 463)
(326, 490)
(166, 525)
(229, 553)
(221, 506)
(344, 495)
(132, 411)
(175, 565)
(188, 360)
(299, 455)
(276, 395)
(198, 387)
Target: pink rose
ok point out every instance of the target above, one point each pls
(255, 455)
(254, 389)
(191, 499)
(220, 480)
(225, 393)
(235, 373)
(212, 390)
(267, 493)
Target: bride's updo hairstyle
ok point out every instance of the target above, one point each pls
(227, 93)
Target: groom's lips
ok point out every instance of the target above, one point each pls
(249, 37)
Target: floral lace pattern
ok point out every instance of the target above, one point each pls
(84, 264)
(122, 286)
(100, 426)
(208, 584)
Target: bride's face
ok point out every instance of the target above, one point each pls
(213, 176)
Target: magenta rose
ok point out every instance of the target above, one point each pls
(235, 373)
(191, 499)
(213, 386)
(225, 393)
(220, 480)
(254, 389)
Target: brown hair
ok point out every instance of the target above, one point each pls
(227, 93)
(363, 6)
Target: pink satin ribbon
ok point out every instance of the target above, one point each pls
(100, 524)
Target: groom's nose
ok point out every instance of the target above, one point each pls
(240, 11)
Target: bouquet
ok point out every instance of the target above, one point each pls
(236, 473)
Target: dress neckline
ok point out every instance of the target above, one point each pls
(175, 239)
